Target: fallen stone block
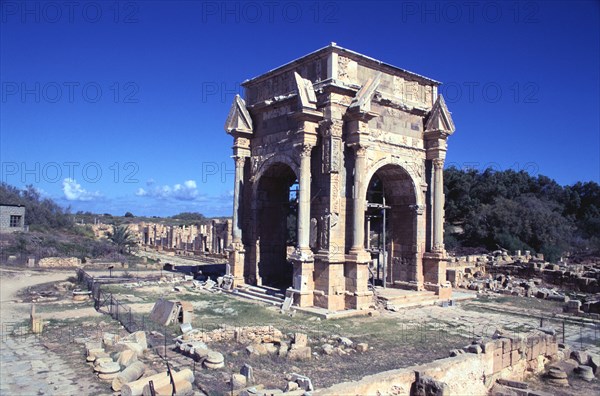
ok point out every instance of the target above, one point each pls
(238, 381)
(130, 374)
(303, 353)
(136, 388)
(300, 340)
(127, 358)
(248, 372)
(580, 357)
(586, 373)
(182, 387)
(362, 347)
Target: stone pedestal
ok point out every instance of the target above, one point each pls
(358, 295)
(303, 282)
(236, 263)
(329, 285)
(434, 267)
(434, 273)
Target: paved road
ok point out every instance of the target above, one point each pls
(26, 366)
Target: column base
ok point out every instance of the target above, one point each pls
(359, 300)
(358, 255)
(301, 298)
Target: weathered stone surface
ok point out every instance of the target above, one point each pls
(580, 356)
(108, 368)
(127, 358)
(300, 340)
(585, 372)
(238, 381)
(303, 353)
(557, 373)
(327, 349)
(594, 362)
(248, 372)
(291, 386)
(362, 347)
(283, 349)
(388, 124)
(215, 357)
(130, 374)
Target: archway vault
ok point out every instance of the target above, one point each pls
(275, 225)
(391, 225)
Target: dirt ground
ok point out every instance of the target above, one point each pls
(395, 339)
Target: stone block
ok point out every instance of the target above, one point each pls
(515, 357)
(506, 359)
(303, 353)
(497, 366)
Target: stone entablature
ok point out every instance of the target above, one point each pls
(339, 124)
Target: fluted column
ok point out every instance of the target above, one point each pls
(237, 191)
(438, 205)
(358, 235)
(304, 199)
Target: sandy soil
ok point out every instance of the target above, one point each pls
(11, 281)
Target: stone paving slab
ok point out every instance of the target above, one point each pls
(28, 368)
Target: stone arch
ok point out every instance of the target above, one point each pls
(264, 165)
(405, 166)
(271, 211)
(404, 199)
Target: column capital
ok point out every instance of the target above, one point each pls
(360, 149)
(438, 163)
(305, 150)
(418, 209)
(239, 159)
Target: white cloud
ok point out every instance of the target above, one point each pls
(188, 191)
(74, 192)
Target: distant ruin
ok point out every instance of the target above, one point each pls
(351, 151)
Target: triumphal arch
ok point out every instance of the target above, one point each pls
(339, 180)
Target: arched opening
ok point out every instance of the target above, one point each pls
(391, 226)
(277, 208)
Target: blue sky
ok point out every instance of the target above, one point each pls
(115, 107)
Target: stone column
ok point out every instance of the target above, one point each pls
(358, 234)
(239, 180)
(438, 205)
(304, 200)
(303, 259)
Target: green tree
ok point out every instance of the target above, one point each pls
(122, 238)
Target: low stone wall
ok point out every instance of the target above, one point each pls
(59, 262)
(471, 372)
(244, 335)
(463, 374)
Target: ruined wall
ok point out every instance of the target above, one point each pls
(59, 262)
(471, 373)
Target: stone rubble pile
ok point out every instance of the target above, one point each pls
(581, 364)
(527, 276)
(579, 277)
(244, 384)
(116, 359)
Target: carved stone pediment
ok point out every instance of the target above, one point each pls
(440, 119)
(362, 101)
(238, 119)
(306, 93)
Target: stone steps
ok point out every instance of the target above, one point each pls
(266, 295)
(408, 299)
